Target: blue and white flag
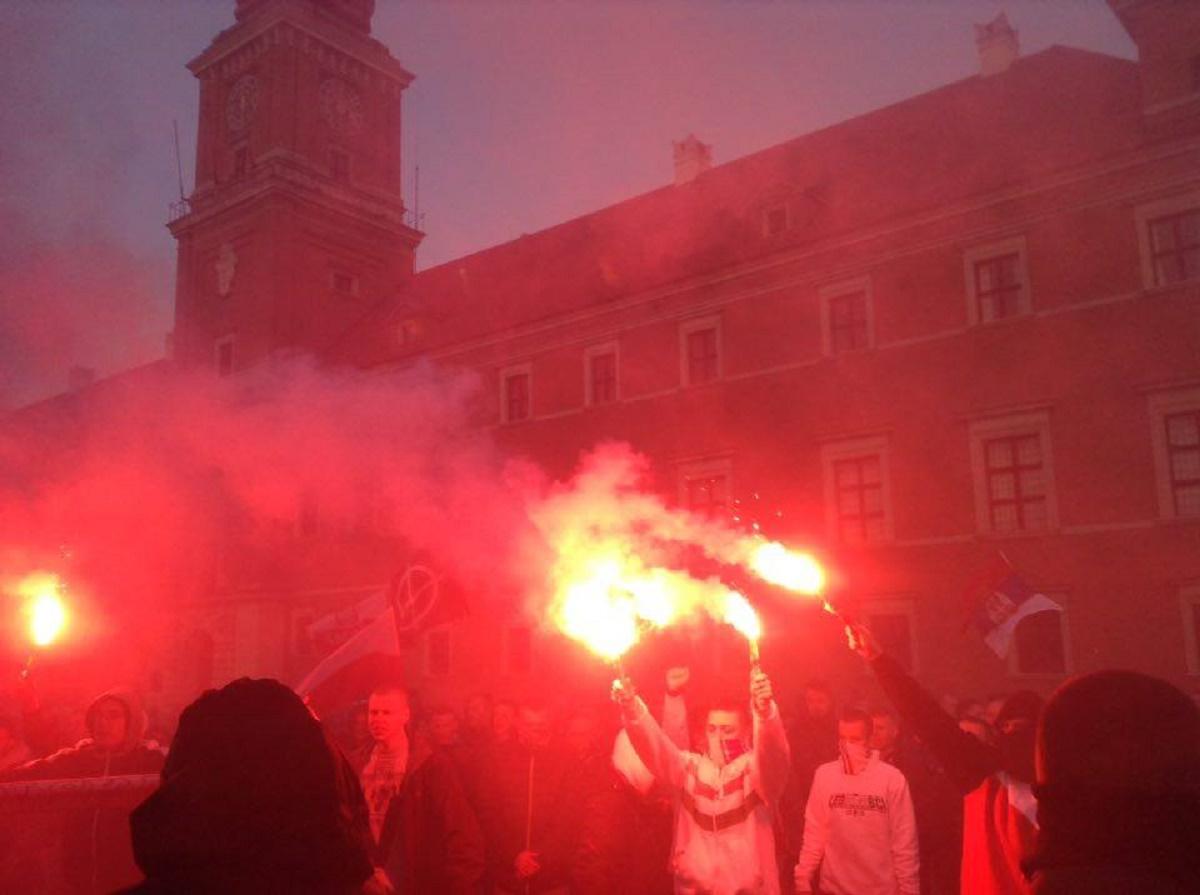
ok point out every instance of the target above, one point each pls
(1005, 602)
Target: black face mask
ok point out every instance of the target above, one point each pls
(1016, 753)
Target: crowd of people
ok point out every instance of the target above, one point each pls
(723, 793)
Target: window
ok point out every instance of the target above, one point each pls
(1013, 474)
(515, 397)
(1040, 644)
(601, 374)
(701, 345)
(1175, 247)
(997, 281)
(857, 490)
(339, 165)
(1183, 461)
(847, 318)
(1168, 232)
(775, 220)
(705, 486)
(437, 652)
(519, 651)
(892, 622)
(223, 356)
(1175, 435)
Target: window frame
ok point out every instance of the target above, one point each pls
(1161, 407)
(772, 208)
(506, 374)
(902, 606)
(975, 255)
(704, 469)
(590, 354)
(1144, 215)
(828, 294)
(334, 273)
(984, 430)
(836, 452)
(686, 330)
(1013, 659)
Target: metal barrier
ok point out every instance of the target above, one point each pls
(69, 836)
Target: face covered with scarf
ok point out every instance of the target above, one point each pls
(854, 735)
(726, 735)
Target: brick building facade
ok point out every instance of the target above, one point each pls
(960, 326)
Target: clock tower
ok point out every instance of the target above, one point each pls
(296, 227)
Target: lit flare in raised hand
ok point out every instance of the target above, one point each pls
(44, 606)
(741, 615)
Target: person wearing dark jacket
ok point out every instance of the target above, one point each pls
(426, 837)
(530, 807)
(999, 809)
(1118, 788)
(254, 798)
(96, 839)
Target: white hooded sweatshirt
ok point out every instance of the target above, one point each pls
(860, 831)
(723, 843)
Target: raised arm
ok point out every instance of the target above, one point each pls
(772, 758)
(966, 760)
(663, 758)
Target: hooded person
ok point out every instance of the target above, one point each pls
(1118, 788)
(253, 798)
(96, 837)
(1000, 813)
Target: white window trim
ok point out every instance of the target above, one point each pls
(231, 341)
(1068, 660)
(835, 290)
(845, 450)
(1143, 215)
(592, 351)
(428, 651)
(505, 373)
(1189, 597)
(978, 253)
(998, 427)
(707, 468)
(1162, 406)
(695, 325)
(905, 606)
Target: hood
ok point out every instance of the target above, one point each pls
(135, 716)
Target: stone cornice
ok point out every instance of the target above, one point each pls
(280, 174)
(292, 24)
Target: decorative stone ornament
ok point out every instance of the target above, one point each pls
(241, 103)
(225, 266)
(341, 106)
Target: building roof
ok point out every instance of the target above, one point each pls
(1055, 110)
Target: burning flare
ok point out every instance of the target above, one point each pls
(776, 564)
(741, 615)
(44, 606)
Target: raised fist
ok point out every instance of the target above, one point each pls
(761, 693)
(677, 679)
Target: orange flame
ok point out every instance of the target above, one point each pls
(741, 615)
(786, 568)
(44, 605)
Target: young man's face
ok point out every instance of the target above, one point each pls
(725, 734)
(387, 713)
(443, 729)
(853, 732)
(884, 733)
(533, 728)
(110, 724)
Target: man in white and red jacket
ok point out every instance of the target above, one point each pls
(725, 799)
(860, 833)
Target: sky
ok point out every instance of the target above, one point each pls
(524, 113)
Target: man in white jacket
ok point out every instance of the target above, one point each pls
(725, 798)
(860, 835)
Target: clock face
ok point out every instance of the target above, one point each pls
(341, 106)
(241, 103)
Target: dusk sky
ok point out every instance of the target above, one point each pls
(524, 113)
